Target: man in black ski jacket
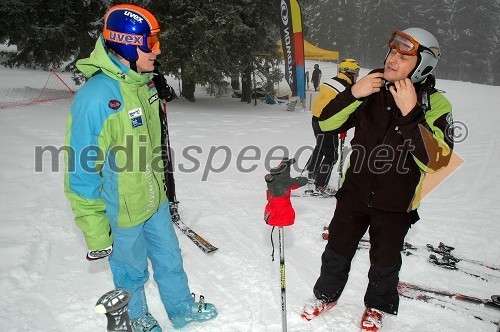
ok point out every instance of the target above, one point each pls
(402, 131)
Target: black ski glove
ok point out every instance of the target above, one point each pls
(165, 91)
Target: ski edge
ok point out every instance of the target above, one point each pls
(198, 240)
(453, 295)
(417, 295)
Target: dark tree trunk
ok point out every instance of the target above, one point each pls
(246, 85)
(235, 82)
(188, 88)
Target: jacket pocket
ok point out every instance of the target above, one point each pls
(125, 218)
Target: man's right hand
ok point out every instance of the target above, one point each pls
(93, 255)
(369, 84)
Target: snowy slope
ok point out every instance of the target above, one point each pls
(47, 285)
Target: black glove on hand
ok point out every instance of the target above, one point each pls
(165, 91)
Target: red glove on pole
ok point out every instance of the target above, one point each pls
(279, 211)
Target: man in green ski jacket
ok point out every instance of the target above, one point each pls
(114, 177)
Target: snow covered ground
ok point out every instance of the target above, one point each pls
(47, 285)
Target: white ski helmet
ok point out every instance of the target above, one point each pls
(416, 41)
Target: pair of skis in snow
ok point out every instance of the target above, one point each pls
(449, 300)
(441, 256)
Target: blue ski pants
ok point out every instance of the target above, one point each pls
(154, 239)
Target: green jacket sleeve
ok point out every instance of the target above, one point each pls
(82, 183)
(429, 133)
(338, 114)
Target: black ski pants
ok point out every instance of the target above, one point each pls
(387, 231)
(324, 156)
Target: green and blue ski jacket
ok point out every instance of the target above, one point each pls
(114, 169)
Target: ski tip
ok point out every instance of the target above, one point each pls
(210, 250)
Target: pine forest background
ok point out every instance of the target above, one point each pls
(208, 41)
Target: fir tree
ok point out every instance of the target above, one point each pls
(48, 33)
(206, 41)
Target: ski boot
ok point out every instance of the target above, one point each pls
(199, 312)
(309, 187)
(371, 320)
(146, 323)
(326, 191)
(315, 307)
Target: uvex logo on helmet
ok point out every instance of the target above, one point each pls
(134, 16)
(284, 12)
(125, 38)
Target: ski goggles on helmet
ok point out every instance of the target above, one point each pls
(407, 45)
(349, 70)
(153, 42)
(146, 43)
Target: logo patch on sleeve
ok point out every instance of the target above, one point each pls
(153, 98)
(114, 104)
(135, 116)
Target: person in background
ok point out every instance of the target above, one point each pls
(402, 131)
(316, 77)
(115, 191)
(325, 153)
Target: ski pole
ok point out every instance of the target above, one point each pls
(283, 282)
(279, 213)
(342, 137)
(311, 160)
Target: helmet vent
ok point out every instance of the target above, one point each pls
(426, 71)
